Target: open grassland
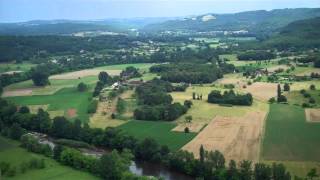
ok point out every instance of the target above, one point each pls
(289, 137)
(12, 67)
(26, 88)
(297, 86)
(295, 97)
(160, 131)
(84, 73)
(238, 138)
(305, 71)
(203, 112)
(11, 152)
(65, 99)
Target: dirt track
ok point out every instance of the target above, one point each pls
(238, 138)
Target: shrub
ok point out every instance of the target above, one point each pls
(186, 130)
(305, 105)
(312, 87)
(272, 100)
(187, 103)
(312, 100)
(306, 95)
(92, 107)
(282, 98)
(82, 87)
(229, 97)
(286, 87)
(302, 91)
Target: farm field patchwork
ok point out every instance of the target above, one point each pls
(65, 99)
(296, 98)
(160, 131)
(289, 137)
(11, 152)
(262, 90)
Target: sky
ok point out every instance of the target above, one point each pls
(25, 10)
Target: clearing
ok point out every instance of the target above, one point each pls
(84, 73)
(238, 138)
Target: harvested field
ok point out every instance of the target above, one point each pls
(193, 127)
(262, 91)
(71, 113)
(238, 138)
(83, 73)
(312, 115)
(18, 92)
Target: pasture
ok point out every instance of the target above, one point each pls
(11, 152)
(288, 137)
(65, 99)
(296, 98)
(160, 131)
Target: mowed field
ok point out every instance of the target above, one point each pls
(288, 136)
(11, 152)
(238, 138)
(160, 131)
(64, 100)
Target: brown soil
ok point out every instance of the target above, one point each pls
(312, 115)
(238, 138)
(261, 90)
(19, 92)
(193, 127)
(83, 73)
(71, 113)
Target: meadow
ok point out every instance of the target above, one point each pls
(289, 137)
(160, 131)
(11, 152)
(64, 99)
(7, 67)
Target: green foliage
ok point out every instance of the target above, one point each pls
(40, 76)
(82, 87)
(229, 97)
(92, 107)
(121, 106)
(256, 55)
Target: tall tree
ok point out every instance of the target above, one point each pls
(202, 154)
(104, 77)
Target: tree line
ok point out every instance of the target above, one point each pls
(230, 97)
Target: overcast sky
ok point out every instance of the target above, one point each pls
(24, 10)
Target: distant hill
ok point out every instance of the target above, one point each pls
(300, 34)
(62, 27)
(254, 21)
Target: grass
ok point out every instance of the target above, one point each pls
(64, 99)
(160, 131)
(288, 137)
(203, 112)
(55, 85)
(295, 97)
(5, 67)
(141, 66)
(296, 168)
(11, 152)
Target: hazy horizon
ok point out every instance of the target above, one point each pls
(27, 10)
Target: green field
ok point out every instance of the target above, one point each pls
(5, 67)
(11, 152)
(64, 99)
(289, 137)
(141, 66)
(295, 97)
(160, 131)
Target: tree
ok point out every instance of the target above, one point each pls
(16, 131)
(187, 103)
(57, 151)
(262, 172)
(24, 110)
(112, 166)
(278, 92)
(186, 130)
(282, 98)
(216, 159)
(245, 171)
(40, 77)
(232, 171)
(188, 119)
(82, 87)
(202, 154)
(193, 95)
(312, 174)
(312, 87)
(104, 77)
(286, 87)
